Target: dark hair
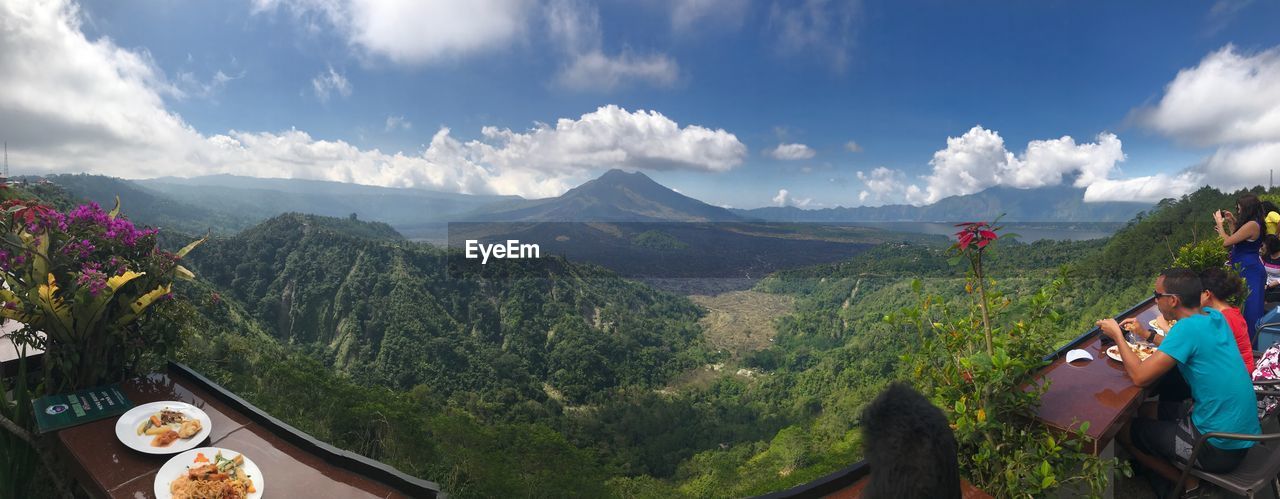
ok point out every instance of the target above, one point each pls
(1251, 209)
(1268, 207)
(1272, 243)
(1185, 284)
(908, 443)
(1218, 281)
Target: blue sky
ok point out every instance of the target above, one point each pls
(356, 91)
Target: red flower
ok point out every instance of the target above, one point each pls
(974, 233)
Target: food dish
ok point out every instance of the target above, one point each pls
(163, 427)
(1143, 351)
(211, 472)
(1156, 325)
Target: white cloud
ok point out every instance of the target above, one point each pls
(398, 123)
(575, 28)
(596, 71)
(1229, 98)
(71, 104)
(1231, 101)
(413, 32)
(692, 15)
(613, 137)
(329, 82)
(1143, 189)
(883, 185)
(1234, 167)
(823, 28)
(784, 198)
(193, 85)
(978, 160)
(791, 152)
(852, 146)
(1222, 14)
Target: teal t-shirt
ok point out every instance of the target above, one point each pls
(1210, 362)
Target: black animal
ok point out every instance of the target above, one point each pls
(909, 445)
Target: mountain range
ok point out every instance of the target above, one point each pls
(1062, 203)
(227, 204)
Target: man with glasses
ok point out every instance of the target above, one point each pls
(1203, 349)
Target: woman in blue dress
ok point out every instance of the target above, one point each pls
(1245, 243)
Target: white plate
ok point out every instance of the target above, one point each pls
(127, 427)
(1113, 351)
(178, 465)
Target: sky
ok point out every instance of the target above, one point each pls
(806, 103)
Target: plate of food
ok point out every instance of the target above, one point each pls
(209, 472)
(1143, 351)
(163, 427)
(1155, 324)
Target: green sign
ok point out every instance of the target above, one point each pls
(55, 412)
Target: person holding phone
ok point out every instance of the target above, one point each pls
(1245, 243)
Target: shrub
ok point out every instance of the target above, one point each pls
(976, 362)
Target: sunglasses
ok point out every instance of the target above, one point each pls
(1155, 295)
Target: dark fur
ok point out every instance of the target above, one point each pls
(909, 445)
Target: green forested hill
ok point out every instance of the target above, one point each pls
(835, 352)
(151, 207)
(387, 312)
(533, 379)
(549, 378)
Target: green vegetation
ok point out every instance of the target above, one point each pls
(657, 240)
(81, 285)
(145, 205)
(550, 378)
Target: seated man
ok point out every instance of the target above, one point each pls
(1203, 348)
(909, 445)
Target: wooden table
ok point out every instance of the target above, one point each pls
(1098, 391)
(967, 491)
(292, 464)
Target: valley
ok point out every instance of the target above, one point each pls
(692, 357)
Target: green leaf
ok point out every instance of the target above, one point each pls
(1046, 470)
(960, 406)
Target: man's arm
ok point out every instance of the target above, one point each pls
(1143, 373)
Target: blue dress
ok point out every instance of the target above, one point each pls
(1246, 255)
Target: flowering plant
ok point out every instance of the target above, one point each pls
(84, 279)
(971, 241)
(978, 361)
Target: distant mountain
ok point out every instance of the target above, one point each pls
(1045, 204)
(262, 198)
(153, 208)
(616, 196)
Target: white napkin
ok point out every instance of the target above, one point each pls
(1078, 354)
